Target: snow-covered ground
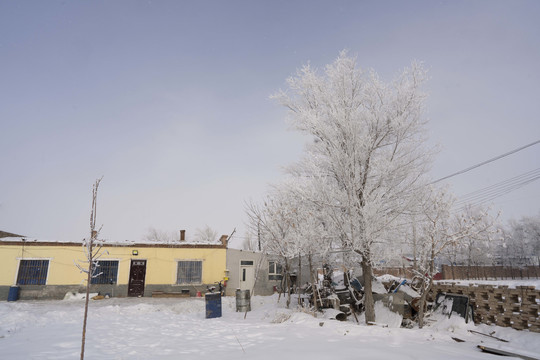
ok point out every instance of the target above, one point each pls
(150, 328)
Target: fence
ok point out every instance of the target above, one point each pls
(449, 272)
(489, 272)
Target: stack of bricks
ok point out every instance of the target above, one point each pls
(499, 305)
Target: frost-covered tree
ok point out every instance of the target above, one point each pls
(440, 229)
(522, 239)
(274, 223)
(478, 248)
(368, 158)
(312, 229)
(278, 225)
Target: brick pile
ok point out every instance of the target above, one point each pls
(499, 305)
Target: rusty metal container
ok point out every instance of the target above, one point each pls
(243, 300)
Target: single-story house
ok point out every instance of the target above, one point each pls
(253, 271)
(47, 269)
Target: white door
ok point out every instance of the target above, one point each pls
(247, 275)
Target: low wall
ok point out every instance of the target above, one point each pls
(499, 305)
(58, 292)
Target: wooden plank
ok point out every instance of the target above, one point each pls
(488, 335)
(161, 294)
(507, 352)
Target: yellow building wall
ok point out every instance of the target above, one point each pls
(161, 265)
(9, 264)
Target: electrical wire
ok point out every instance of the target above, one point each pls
(497, 190)
(493, 189)
(486, 162)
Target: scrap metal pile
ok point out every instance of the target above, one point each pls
(343, 292)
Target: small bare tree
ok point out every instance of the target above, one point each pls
(159, 236)
(92, 250)
(206, 235)
(249, 243)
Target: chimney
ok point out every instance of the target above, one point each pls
(224, 240)
(182, 235)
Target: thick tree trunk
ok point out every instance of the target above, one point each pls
(423, 299)
(427, 289)
(288, 282)
(314, 283)
(299, 279)
(369, 305)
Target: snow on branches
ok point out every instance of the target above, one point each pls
(367, 163)
(92, 246)
(368, 156)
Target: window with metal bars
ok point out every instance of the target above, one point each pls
(106, 272)
(189, 272)
(32, 272)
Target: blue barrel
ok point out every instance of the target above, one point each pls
(213, 305)
(13, 294)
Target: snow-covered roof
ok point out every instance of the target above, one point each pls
(7, 234)
(30, 240)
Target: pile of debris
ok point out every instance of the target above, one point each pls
(342, 291)
(336, 290)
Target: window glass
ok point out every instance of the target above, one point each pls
(189, 272)
(33, 272)
(274, 270)
(105, 272)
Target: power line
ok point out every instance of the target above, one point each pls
(486, 162)
(494, 191)
(499, 187)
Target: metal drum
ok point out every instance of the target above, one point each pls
(243, 300)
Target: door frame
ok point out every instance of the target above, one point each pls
(130, 293)
(243, 267)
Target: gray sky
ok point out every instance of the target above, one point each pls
(169, 101)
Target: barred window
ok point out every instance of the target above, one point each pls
(106, 272)
(189, 272)
(32, 272)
